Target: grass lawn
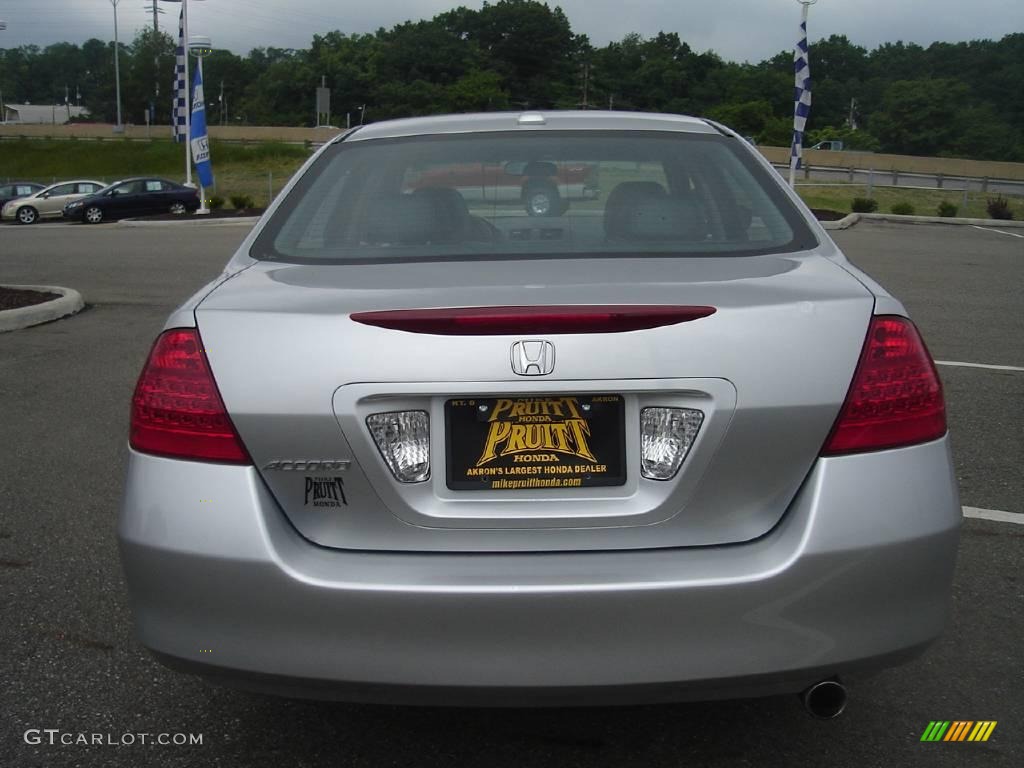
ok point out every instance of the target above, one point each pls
(925, 201)
(239, 169)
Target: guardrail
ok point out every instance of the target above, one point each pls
(163, 133)
(901, 164)
(871, 178)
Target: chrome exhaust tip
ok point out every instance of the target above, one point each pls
(825, 700)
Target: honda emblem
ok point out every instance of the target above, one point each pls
(533, 358)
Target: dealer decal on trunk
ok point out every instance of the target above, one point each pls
(325, 492)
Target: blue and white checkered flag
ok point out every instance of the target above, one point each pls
(180, 93)
(802, 97)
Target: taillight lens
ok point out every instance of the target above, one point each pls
(177, 410)
(896, 397)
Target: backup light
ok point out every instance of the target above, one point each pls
(403, 439)
(666, 435)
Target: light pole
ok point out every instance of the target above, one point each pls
(802, 102)
(119, 128)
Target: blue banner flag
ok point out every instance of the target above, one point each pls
(200, 141)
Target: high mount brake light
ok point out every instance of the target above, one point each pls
(896, 396)
(176, 410)
(501, 321)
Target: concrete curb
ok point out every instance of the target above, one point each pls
(853, 218)
(68, 303)
(844, 223)
(192, 222)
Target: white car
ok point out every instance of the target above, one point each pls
(49, 203)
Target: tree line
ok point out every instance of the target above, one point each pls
(951, 99)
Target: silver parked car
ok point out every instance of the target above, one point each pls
(49, 203)
(665, 443)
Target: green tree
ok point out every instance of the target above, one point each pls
(919, 116)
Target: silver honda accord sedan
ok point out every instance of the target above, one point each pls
(425, 442)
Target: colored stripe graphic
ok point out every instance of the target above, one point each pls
(935, 730)
(958, 730)
(982, 730)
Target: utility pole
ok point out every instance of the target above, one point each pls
(156, 9)
(3, 111)
(117, 70)
(586, 85)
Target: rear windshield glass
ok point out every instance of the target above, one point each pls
(533, 195)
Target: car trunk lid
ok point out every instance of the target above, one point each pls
(768, 369)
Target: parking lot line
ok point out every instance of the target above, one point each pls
(979, 365)
(994, 515)
(1001, 232)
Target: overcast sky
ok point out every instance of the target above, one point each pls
(737, 29)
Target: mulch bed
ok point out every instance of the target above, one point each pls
(15, 298)
(826, 215)
(230, 213)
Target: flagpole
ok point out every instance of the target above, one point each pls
(795, 158)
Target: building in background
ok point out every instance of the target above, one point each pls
(42, 114)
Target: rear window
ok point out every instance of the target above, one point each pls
(533, 195)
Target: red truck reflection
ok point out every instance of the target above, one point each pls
(543, 188)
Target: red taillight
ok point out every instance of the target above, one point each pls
(896, 397)
(177, 410)
(499, 321)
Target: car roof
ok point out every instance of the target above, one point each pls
(540, 120)
(76, 181)
(141, 178)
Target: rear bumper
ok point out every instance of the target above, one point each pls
(856, 577)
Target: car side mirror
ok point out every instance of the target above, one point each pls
(44, 195)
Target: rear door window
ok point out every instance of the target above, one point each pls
(62, 190)
(539, 195)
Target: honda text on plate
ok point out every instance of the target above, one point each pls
(423, 441)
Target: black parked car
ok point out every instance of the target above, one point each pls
(133, 197)
(16, 189)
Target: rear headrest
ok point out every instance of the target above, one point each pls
(429, 215)
(642, 210)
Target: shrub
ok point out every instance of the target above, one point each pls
(947, 210)
(241, 202)
(864, 205)
(216, 202)
(999, 208)
(903, 209)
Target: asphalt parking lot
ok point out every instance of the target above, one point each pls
(68, 660)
